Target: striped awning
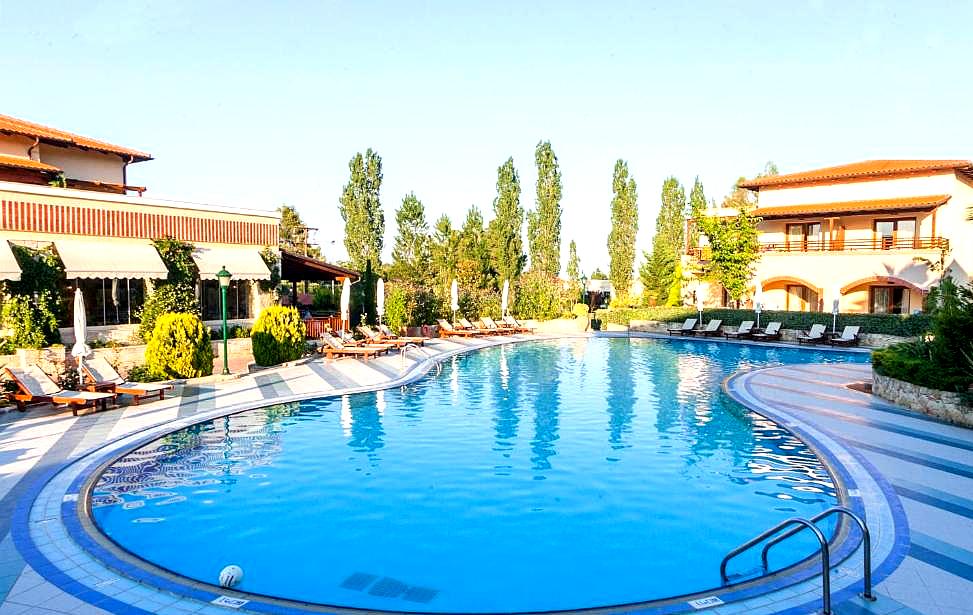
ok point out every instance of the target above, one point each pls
(9, 269)
(243, 262)
(110, 258)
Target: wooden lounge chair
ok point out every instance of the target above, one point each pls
(814, 336)
(490, 324)
(466, 325)
(374, 339)
(514, 324)
(743, 331)
(388, 335)
(687, 327)
(849, 337)
(37, 387)
(770, 334)
(103, 377)
(447, 330)
(333, 347)
(712, 329)
(348, 339)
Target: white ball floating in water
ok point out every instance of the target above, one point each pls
(230, 576)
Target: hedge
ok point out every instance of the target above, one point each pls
(887, 324)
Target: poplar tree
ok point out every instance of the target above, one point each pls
(410, 254)
(625, 225)
(544, 223)
(361, 210)
(662, 272)
(697, 207)
(473, 253)
(574, 268)
(444, 251)
(505, 240)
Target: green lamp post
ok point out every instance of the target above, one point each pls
(224, 277)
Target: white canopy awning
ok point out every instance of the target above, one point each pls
(243, 262)
(110, 258)
(9, 269)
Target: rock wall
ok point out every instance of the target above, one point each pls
(944, 405)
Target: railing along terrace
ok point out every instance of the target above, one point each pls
(852, 245)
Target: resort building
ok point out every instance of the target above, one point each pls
(870, 234)
(72, 192)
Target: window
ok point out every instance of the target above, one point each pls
(237, 299)
(899, 233)
(888, 300)
(804, 237)
(801, 299)
(109, 301)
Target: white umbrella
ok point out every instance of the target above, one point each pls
(346, 301)
(835, 307)
(380, 300)
(758, 301)
(699, 307)
(504, 297)
(454, 297)
(80, 349)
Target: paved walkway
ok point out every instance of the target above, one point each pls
(929, 464)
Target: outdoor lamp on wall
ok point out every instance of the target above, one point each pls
(224, 277)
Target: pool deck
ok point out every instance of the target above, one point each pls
(927, 464)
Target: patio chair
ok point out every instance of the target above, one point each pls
(103, 377)
(466, 325)
(687, 326)
(815, 336)
(37, 387)
(388, 335)
(334, 347)
(514, 324)
(849, 337)
(744, 330)
(712, 329)
(447, 330)
(770, 334)
(348, 339)
(489, 323)
(375, 339)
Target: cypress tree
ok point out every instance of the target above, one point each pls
(625, 226)
(544, 223)
(660, 275)
(505, 240)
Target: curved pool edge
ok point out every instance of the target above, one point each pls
(71, 503)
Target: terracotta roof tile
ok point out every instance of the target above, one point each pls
(59, 137)
(20, 162)
(868, 168)
(847, 207)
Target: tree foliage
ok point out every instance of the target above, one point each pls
(473, 264)
(505, 240)
(734, 248)
(361, 210)
(444, 252)
(35, 305)
(574, 268)
(178, 258)
(411, 252)
(544, 222)
(166, 299)
(661, 272)
(277, 336)
(625, 226)
(295, 234)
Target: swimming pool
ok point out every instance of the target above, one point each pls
(538, 476)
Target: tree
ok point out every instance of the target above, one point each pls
(734, 248)
(504, 234)
(410, 254)
(625, 225)
(444, 252)
(599, 274)
(697, 207)
(294, 233)
(473, 264)
(662, 266)
(361, 210)
(574, 268)
(544, 223)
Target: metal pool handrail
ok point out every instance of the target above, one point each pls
(866, 542)
(822, 541)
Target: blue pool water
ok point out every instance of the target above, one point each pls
(537, 476)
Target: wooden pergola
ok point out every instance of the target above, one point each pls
(296, 268)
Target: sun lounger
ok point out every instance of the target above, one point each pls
(349, 340)
(447, 330)
(514, 324)
(36, 387)
(103, 377)
(814, 336)
(770, 334)
(333, 347)
(687, 326)
(712, 328)
(849, 337)
(375, 339)
(490, 324)
(744, 330)
(466, 325)
(388, 335)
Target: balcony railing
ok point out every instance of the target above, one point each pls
(847, 245)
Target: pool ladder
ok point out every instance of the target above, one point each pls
(796, 525)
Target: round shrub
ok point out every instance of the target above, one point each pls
(179, 348)
(580, 310)
(166, 299)
(277, 336)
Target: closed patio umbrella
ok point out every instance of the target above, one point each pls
(758, 301)
(454, 297)
(80, 349)
(346, 303)
(504, 297)
(835, 307)
(380, 299)
(699, 307)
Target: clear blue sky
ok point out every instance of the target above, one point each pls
(257, 104)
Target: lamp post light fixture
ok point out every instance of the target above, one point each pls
(224, 277)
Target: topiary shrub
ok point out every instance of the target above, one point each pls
(579, 310)
(277, 336)
(166, 299)
(179, 348)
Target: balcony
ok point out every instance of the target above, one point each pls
(875, 244)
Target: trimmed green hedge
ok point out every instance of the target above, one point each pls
(912, 362)
(888, 324)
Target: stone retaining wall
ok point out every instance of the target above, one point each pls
(940, 404)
